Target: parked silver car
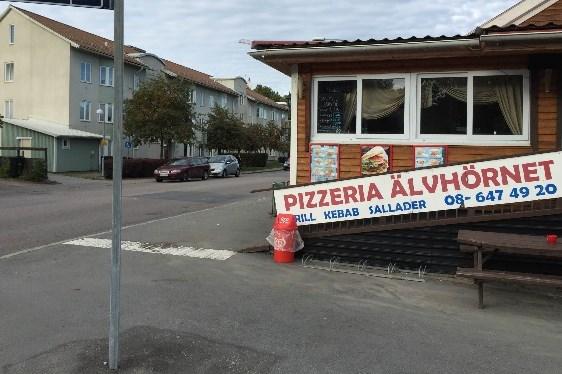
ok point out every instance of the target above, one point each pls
(224, 165)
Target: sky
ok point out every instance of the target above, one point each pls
(206, 35)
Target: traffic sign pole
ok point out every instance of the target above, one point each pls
(115, 297)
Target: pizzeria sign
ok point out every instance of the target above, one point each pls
(505, 181)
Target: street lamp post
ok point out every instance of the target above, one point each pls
(99, 112)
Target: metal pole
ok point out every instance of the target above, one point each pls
(114, 299)
(103, 151)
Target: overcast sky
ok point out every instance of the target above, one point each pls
(205, 35)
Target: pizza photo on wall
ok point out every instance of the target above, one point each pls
(376, 159)
(430, 156)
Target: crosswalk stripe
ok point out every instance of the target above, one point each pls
(185, 251)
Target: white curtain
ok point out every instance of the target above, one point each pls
(350, 112)
(381, 102)
(506, 91)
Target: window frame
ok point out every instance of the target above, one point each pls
(13, 75)
(87, 111)
(67, 146)
(12, 34)
(106, 113)
(9, 103)
(109, 78)
(88, 69)
(412, 106)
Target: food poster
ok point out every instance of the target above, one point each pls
(429, 156)
(323, 162)
(375, 159)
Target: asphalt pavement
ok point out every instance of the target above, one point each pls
(35, 215)
(192, 304)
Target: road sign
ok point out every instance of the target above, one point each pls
(100, 4)
(128, 145)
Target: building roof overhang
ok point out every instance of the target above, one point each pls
(492, 41)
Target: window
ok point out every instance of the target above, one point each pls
(65, 144)
(86, 72)
(136, 82)
(12, 34)
(443, 105)
(85, 110)
(498, 105)
(101, 116)
(194, 96)
(224, 101)
(9, 71)
(201, 98)
(108, 113)
(336, 108)
(383, 106)
(211, 101)
(456, 108)
(9, 109)
(106, 76)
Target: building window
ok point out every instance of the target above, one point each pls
(443, 105)
(460, 108)
(194, 96)
(86, 72)
(65, 144)
(106, 76)
(211, 101)
(201, 98)
(108, 113)
(85, 110)
(9, 71)
(224, 101)
(9, 109)
(498, 105)
(12, 34)
(136, 82)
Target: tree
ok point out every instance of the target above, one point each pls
(161, 111)
(273, 135)
(270, 93)
(225, 130)
(254, 137)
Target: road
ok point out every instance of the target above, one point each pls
(38, 214)
(235, 312)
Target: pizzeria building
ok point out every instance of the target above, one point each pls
(365, 107)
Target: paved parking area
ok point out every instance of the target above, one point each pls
(248, 315)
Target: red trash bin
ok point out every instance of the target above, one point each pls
(284, 230)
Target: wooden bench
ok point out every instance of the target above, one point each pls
(485, 244)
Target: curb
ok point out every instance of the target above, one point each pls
(261, 171)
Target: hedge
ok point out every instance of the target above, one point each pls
(34, 169)
(134, 167)
(11, 167)
(253, 159)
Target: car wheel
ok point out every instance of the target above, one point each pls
(237, 173)
(224, 174)
(205, 175)
(159, 180)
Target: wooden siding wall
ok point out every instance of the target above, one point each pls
(545, 130)
(551, 14)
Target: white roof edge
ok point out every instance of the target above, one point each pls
(519, 13)
(50, 128)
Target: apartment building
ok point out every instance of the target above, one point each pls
(57, 92)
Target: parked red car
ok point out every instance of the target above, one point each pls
(183, 169)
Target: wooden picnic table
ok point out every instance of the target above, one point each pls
(485, 244)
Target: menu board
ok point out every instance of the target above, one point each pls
(376, 159)
(333, 101)
(324, 161)
(430, 156)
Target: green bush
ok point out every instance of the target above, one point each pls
(253, 159)
(4, 167)
(34, 169)
(133, 167)
(11, 167)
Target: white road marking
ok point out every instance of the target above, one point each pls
(186, 251)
